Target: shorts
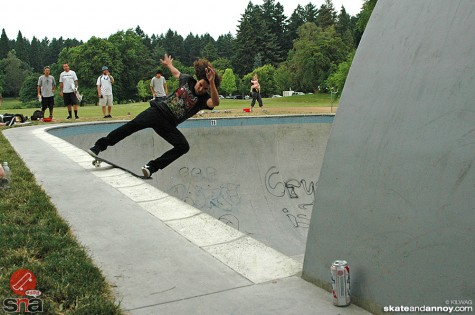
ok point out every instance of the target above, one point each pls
(47, 102)
(106, 100)
(70, 99)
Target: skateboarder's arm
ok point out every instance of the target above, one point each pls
(213, 101)
(167, 61)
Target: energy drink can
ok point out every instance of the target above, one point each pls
(340, 283)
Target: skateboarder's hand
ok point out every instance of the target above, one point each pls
(210, 73)
(167, 60)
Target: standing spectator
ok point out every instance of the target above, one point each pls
(68, 84)
(104, 91)
(46, 88)
(256, 92)
(158, 85)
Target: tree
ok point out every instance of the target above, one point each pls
(221, 64)
(28, 90)
(136, 62)
(22, 47)
(282, 79)
(315, 53)
(228, 82)
(15, 71)
(344, 27)
(363, 17)
(209, 52)
(246, 42)
(87, 60)
(143, 90)
(4, 45)
(273, 14)
(224, 45)
(326, 15)
(336, 81)
(266, 75)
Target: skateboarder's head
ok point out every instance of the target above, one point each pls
(202, 85)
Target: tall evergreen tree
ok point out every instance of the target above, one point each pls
(310, 13)
(326, 15)
(276, 22)
(224, 45)
(191, 48)
(4, 45)
(22, 47)
(297, 18)
(35, 55)
(173, 45)
(246, 44)
(344, 27)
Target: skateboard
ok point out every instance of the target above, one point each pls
(98, 161)
(78, 96)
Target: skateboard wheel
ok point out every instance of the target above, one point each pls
(96, 163)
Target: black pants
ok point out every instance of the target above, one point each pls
(256, 96)
(150, 118)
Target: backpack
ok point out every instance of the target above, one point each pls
(37, 114)
(11, 119)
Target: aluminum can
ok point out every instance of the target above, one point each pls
(340, 272)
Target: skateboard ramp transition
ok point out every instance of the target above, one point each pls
(396, 193)
(257, 175)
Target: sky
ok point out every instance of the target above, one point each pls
(86, 18)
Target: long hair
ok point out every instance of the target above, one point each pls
(200, 71)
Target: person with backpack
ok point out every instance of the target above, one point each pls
(46, 87)
(104, 91)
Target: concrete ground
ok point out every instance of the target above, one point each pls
(161, 255)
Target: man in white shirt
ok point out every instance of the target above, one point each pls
(158, 85)
(68, 84)
(104, 91)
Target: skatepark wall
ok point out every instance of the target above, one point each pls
(396, 192)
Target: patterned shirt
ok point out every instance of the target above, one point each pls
(184, 103)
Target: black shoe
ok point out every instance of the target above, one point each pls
(147, 172)
(77, 117)
(94, 151)
(108, 116)
(69, 117)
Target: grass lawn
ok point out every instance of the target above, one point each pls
(33, 236)
(304, 103)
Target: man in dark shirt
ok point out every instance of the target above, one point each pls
(165, 115)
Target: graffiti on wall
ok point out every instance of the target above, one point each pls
(295, 190)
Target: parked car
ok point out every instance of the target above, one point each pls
(298, 93)
(276, 95)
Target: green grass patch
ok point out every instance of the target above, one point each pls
(128, 111)
(33, 236)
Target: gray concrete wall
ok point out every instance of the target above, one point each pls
(259, 179)
(396, 193)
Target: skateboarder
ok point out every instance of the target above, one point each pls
(164, 115)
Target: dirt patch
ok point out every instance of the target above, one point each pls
(268, 111)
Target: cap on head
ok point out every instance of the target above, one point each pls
(105, 68)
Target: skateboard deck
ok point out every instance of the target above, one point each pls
(98, 161)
